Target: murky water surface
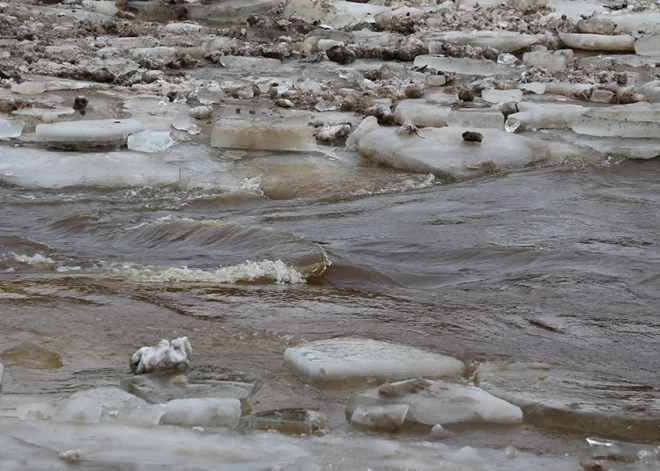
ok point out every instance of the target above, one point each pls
(555, 265)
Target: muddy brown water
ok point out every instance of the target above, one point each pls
(557, 265)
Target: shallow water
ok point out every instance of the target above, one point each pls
(555, 265)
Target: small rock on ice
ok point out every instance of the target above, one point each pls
(165, 356)
(71, 456)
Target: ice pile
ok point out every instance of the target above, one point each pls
(429, 403)
(359, 359)
(165, 356)
(444, 153)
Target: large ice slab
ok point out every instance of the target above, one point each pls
(464, 66)
(628, 147)
(438, 402)
(443, 152)
(556, 397)
(598, 42)
(88, 134)
(353, 359)
(265, 135)
(476, 118)
(166, 356)
(619, 122)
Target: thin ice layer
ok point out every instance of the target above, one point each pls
(353, 358)
(556, 397)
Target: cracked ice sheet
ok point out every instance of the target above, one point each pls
(34, 445)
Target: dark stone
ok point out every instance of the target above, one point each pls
(80, 103)
(341, 55)
(471, 136)
(466, 94)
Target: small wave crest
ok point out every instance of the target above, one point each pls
(11, 261)
(266, 271)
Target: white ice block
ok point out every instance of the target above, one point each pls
(598, 42)
(648, 46)
(476, 118)
(553, 61)
(421, 114)
(438, 402)
(619, 122)
(354, 358)
(502, 96)
(150, 141)
(81, 135)
(10, 128)
(444, 153)
(503, 41)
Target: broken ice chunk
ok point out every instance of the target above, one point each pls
(254, 64)
(502, 96)
(336, 13)
(443, 152)
(464, 66)
(150, 141)
(162, 357)
(648, 46)
(289, 421)
(121, 407)
(555, 397)
(158, 388)
(388, 417)
(359, 359)
(11, 128)
(254, 134)
(438, 402)
(545, 115)
(554, 61)
(598, 42)
(619, 121)
(421, 114)
(503, 41)
(368, 124)
(89, 134)
(476, 118)
(72, 409)
(202, 412)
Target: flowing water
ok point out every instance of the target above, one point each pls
(556, 265)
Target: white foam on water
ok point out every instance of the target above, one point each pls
(38, 260)
(266, 271)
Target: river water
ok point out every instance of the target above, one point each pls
(555, 264)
